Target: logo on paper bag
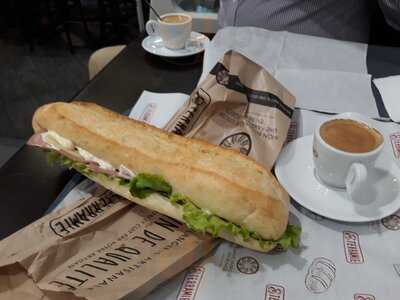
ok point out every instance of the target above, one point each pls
(83, 215)
(274, 292)
(352, 248)
(222, 77)
(247, 265)
(364, 297)
(191, 283)
(197, 105)
(391, 222)
(395, 141)
(148, 112)
(320, 275)
(239, 141)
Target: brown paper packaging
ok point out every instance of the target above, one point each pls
(105, 247)
(240, 106)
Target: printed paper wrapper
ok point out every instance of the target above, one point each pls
(103, 247)
(240, 106)
(336, 260)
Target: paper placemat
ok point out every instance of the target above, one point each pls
(157, 109)
(324, 74)
(330, 91)
(389, 88)
(337, 260)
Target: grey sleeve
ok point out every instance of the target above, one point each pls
(226, 13)
(391, 11)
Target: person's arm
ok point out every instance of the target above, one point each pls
(391, 11)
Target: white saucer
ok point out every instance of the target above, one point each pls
(196, 44)
(295, 171)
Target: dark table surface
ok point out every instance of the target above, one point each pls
(28, 185)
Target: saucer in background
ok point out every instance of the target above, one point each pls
(196, 44)
(295, 171)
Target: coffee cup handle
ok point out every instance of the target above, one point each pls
(356, 182)
(152, 28)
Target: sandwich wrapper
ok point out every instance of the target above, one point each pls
(240, 106)
(337, 260)
(324, 74)
(102, 246)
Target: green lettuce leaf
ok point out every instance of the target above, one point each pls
(200, 221)
(195, 218)
(291, 237)
(54, 157)
(144, 184)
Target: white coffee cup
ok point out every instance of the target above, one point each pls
(341, 169)
(174, 34)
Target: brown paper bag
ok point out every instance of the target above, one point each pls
(104, 247)
(239, 106)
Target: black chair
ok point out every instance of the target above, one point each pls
(115, 14)
(60, 16)
(40, 20)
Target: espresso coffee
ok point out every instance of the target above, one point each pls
(174, 19)
(350, 136)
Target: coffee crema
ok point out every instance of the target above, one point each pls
(173, 19)
(350, 136)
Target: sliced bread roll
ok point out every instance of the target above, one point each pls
(220, 181)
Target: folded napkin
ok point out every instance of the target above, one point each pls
(324, 74)
(330, 90)
(157, 109)
(389, 88)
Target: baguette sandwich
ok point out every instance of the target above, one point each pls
(210, 189)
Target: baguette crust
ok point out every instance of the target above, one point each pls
(160, 204)
(225, 182)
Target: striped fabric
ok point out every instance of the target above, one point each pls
(340, 19)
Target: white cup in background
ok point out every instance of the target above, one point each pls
(174, 34)
(341, 169)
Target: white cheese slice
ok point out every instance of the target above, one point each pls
(62, 143)
(87, 156)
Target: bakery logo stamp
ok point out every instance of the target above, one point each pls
(395, 141)
(364, 297)
(274, 292)
(197, 105)
(222, 77)
(191, 283)
(228, 260)
(148, 113)
(239, 141)
(397, 268)
(391, 222)
(352, 248)
(83, 215)
(247, 265)
(320, 275)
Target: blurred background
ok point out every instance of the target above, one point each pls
(45, 46)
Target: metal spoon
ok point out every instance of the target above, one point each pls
(154, 11)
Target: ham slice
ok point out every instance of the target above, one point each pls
(95, 168)
(37, 141)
